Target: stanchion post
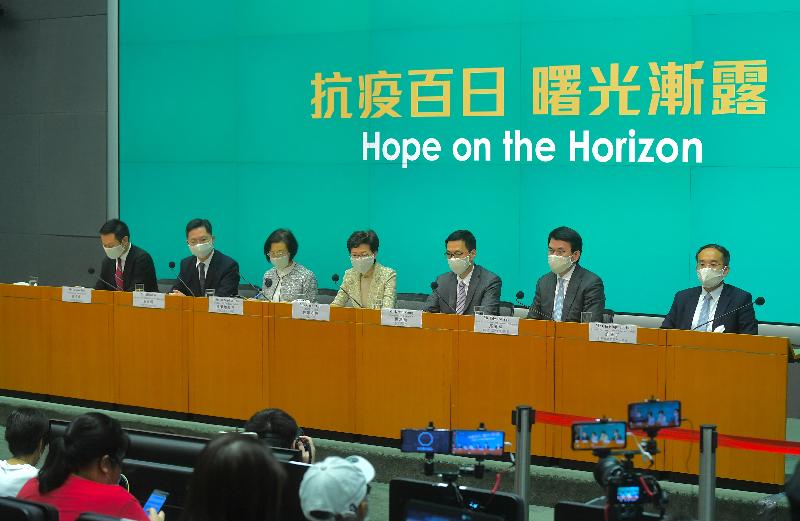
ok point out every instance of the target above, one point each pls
(707, 500)
(523, 418)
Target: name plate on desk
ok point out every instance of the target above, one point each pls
(227, 305)
(496, 325)
(617, 333)
(79, 295)
(305, 310)
(148, 299)
(401, 317)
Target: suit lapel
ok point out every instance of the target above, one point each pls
(452, 295)
(548, 291)
(691, 305)
(473, 286)
(723, 304)
(211, 270)
(572, 290)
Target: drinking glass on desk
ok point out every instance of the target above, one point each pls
(33, 280)
(479, 310)
(138, 287)
(586, 317)
(210, 292)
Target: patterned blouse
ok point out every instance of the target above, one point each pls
(298, 284)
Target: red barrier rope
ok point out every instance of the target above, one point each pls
(687, 435)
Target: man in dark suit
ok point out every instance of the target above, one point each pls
(466, 285)
(207, 268)
(125, 265)
(569, 289)
(693, 307)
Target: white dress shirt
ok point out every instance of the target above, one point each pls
(715, 294)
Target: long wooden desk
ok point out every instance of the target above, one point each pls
(353, 375)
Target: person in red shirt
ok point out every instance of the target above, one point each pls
(81, 472)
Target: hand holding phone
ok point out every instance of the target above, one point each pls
(155, 502)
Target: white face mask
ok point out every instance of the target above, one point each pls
(202, 250)
(280, 262)
(362, 264)
(709, 277)
(115, 252)
(559, 264)
(459, 266)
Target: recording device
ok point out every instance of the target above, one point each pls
(101, 279)
(758, 302)
(178, 276)
(627, 490)
(426, 511)
(434, 441)
(156, 501)
(543, 314)
(478, 443)
(435, 288)
(335, 279)
(599, 435)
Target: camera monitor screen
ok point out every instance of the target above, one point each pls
(425, 440)
(424, 511)
(645, 415)
(628, 494)
(599, 435)
(478, 443)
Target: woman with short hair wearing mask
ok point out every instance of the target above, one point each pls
(82, 471)
(287, 280)
(368, 284)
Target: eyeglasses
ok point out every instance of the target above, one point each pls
(713, 264)
(455, 254)
(277, 254)
(361, 255)
(199, 240)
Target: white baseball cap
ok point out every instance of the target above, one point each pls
(335, 487)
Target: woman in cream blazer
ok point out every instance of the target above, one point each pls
(368, 284)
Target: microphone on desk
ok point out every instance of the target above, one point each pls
(521, 295)
(104, 281)
(435, 288)
(267, 285)
(178, 276)
(335, 279)
(759, 301)
(258, 291)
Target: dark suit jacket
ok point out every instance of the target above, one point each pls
(743, 321)
(584, 293)
(484, 290)
(139, 269)
(222, 276)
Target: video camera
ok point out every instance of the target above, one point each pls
(628, 491)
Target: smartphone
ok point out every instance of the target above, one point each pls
(424, 440)
(156, 500)
(644, 415)
(599, 435)
(478, 443)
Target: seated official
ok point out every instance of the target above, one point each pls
(207, 268)
(82, 470)
(569, 289)
(27, 432)
(368, 284)
(288, 280)
(698, 308)
(125, 265)
(466, 285)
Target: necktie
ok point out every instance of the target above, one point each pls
(118, 275)
(704, 311)
(202, 268)
(461, 298)
(558, 307)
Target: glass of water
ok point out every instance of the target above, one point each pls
(33, 280)
(210, 292)
(586, 317)
(479, 310)
(138, 287)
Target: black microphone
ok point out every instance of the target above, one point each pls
(542, 314)
(759, 301)
(335, 279)
(104, 281)
(249, 284)
(521, 295)
(435, 287)
(267, 285)
(178, 276)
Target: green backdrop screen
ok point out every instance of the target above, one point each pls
(216, 122)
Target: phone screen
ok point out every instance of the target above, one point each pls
(424, 440)
(156, 500)
(478, 443)
(599, 435)
(645, 415)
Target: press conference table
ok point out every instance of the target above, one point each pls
(354, 375)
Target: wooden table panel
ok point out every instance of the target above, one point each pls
(23, 349)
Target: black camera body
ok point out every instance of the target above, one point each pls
(628, 490)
